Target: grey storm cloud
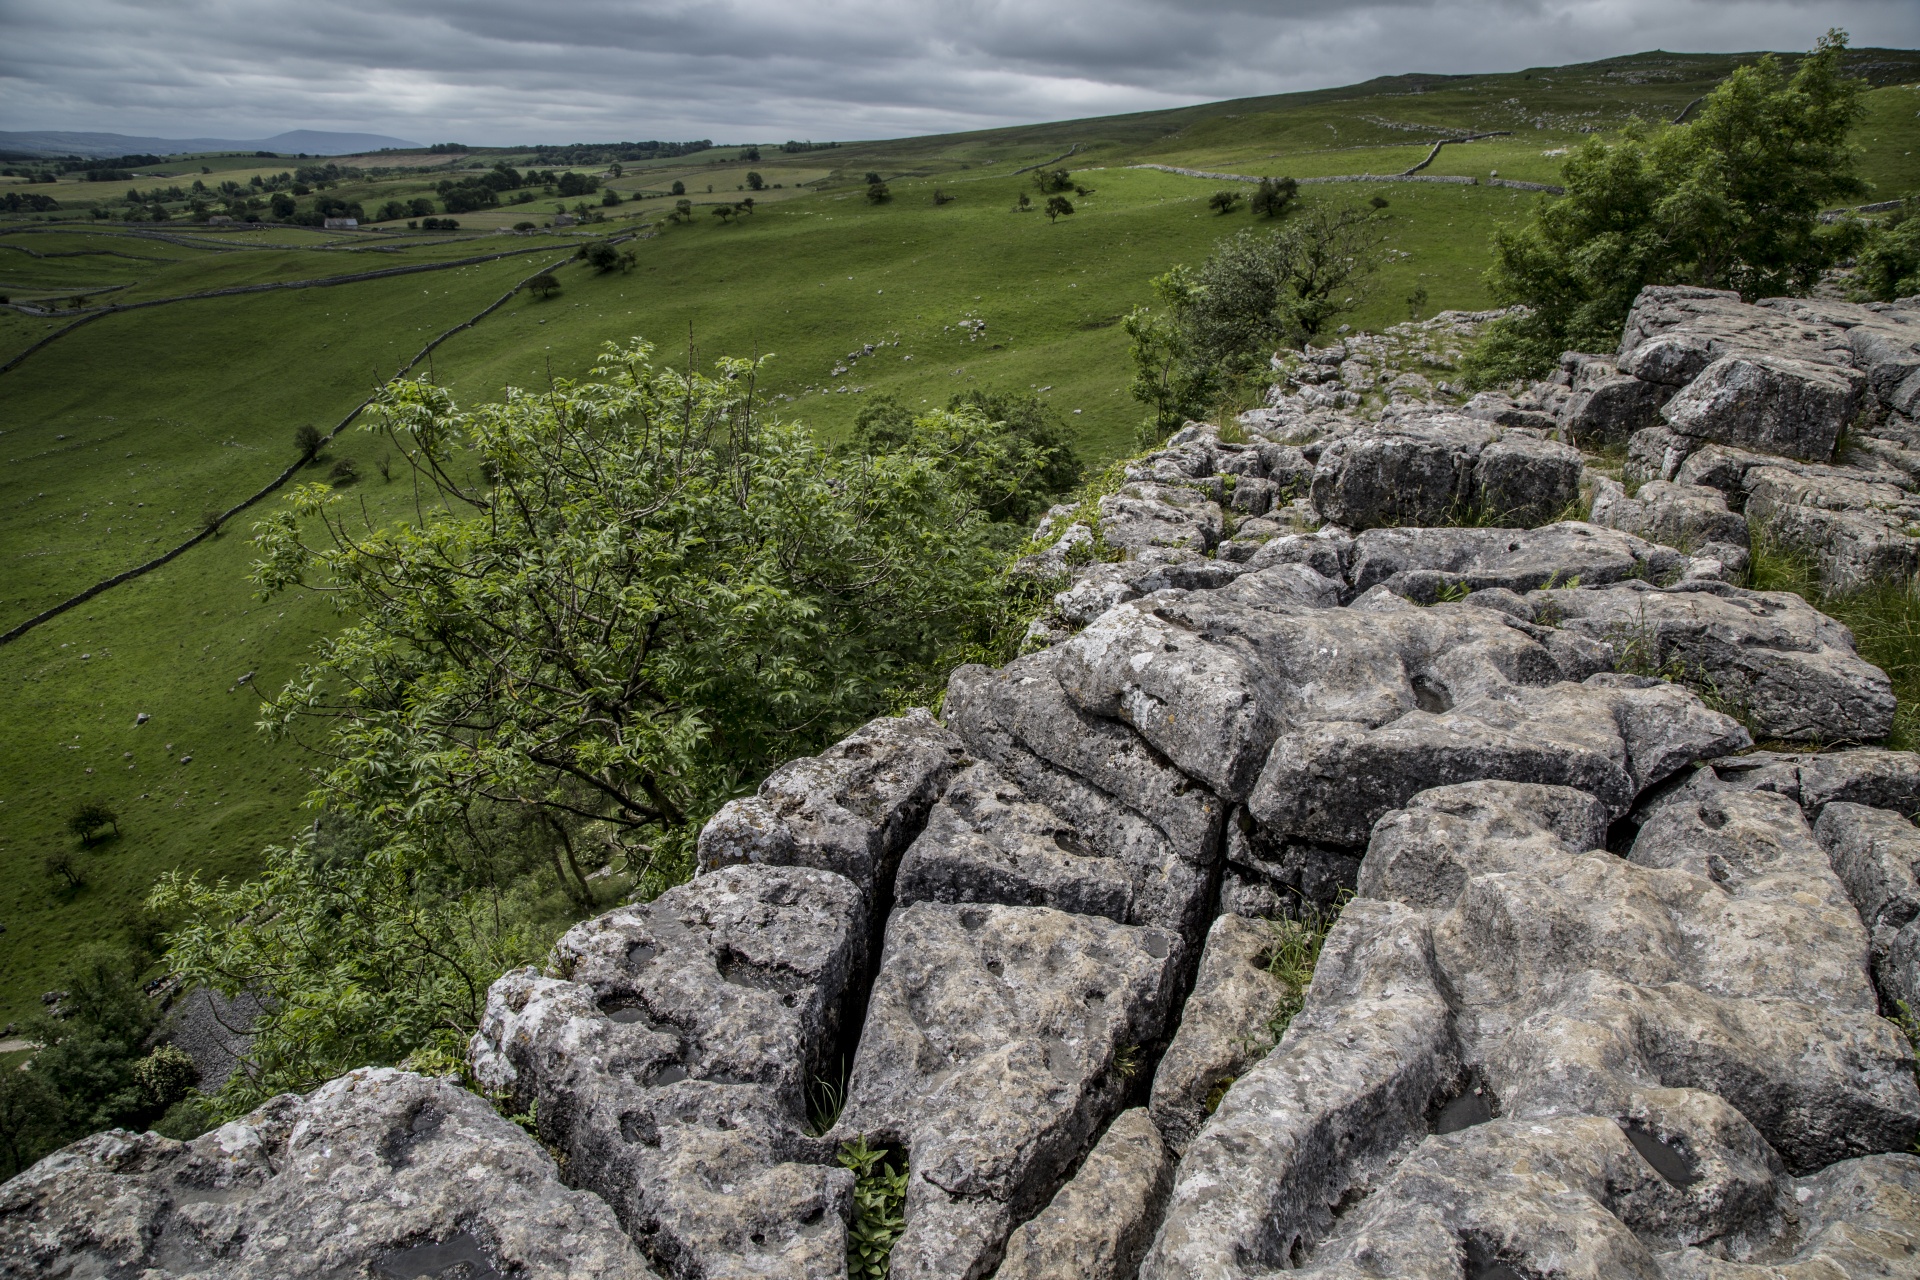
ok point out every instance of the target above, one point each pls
(512, 71)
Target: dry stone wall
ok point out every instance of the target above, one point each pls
(1606, 991)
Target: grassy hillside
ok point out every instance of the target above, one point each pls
(118, 436)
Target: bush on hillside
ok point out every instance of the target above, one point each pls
(1215, 327)
(1020, 427)
(1730, 200)
(659, 594)
(1889, 262)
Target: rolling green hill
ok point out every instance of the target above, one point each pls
(119, 435)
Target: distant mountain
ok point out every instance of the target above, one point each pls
(314, 142)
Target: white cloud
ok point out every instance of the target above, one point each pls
(509, 71)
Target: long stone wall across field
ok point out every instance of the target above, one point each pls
(1603, 993)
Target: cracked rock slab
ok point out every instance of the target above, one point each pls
(1432, 468)
(997, 1042)
(671, 1066)
(379, 1172)
(851, 809)
(1099, 1224)
(1223, 1026)
(1788, 669)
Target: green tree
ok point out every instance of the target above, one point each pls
(1036, 440)
(543, 286)
(1215, 327)
(1057, 207)
(754, 181)
(1729, 200)
(877, 193)
(656, 594)
(1224, 202)
(609, 199)
(1052, 180)
(873, 178)
(678, 188)
(724, 212)
(307, 440)
(1889, 262)
(605, 257)
(89, 817)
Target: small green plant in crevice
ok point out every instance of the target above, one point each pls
(879, 1207)
(1292, 957)
(1127, 1062)
(826, 1099)
(1218, 1094)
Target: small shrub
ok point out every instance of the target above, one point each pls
(89, 817)
(345, 471)
(879, 1208)
(544, 285)
(877, 193)
(1292, 957)
(165, 1076)
(1224, 202)
(210, 522)
(1378, 202)
(65, 868)
(307, 440)
(939, 197)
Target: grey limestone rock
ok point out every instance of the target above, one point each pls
(1624, 1070)
(986, 842)
(996, 1045)
(1612, 736)
(1145, 515)
(1876, 854)
(379, 1172)
(1790, 670)
(851, 809)
(1419, 562)
(1769, 403)
(1612, 409)
(1124, 800)
(1434, 468)
(1099, 1224)
(1223, 1026)
(1859, 531)
(1684, 517)
(1212, 683)
(671, 1065)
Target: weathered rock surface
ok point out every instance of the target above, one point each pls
(852, 809)
(1876, 854)
(1419, 563)
(1684, 517)
(671, 1066)
(1223, 1027)
(1099, 1225)
(1435, 468)
(378, 1173)
(1789, 670)
(997, 1042)
(1631, 1067)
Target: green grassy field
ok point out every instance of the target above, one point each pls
(117, 437)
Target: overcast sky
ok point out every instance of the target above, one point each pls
(517, 71)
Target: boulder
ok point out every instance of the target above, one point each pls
(1685, 517)
(1223, 1026)
(986, 842)
(1435, 468)
(998, 1042)
(1876, 854)
(1787, 669)
(1769, 403)
(377, 1173)
(1099, 1224)
(1859, 531)
(1621, 1078)
(672, 1065)
(851, 809)
(1612, 736)
(1419, 563)
(1125, 801)
(1144, 516)
(1212, 683)
(1612, 409)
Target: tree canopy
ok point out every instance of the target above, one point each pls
(630, 596)
(1729, 200)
